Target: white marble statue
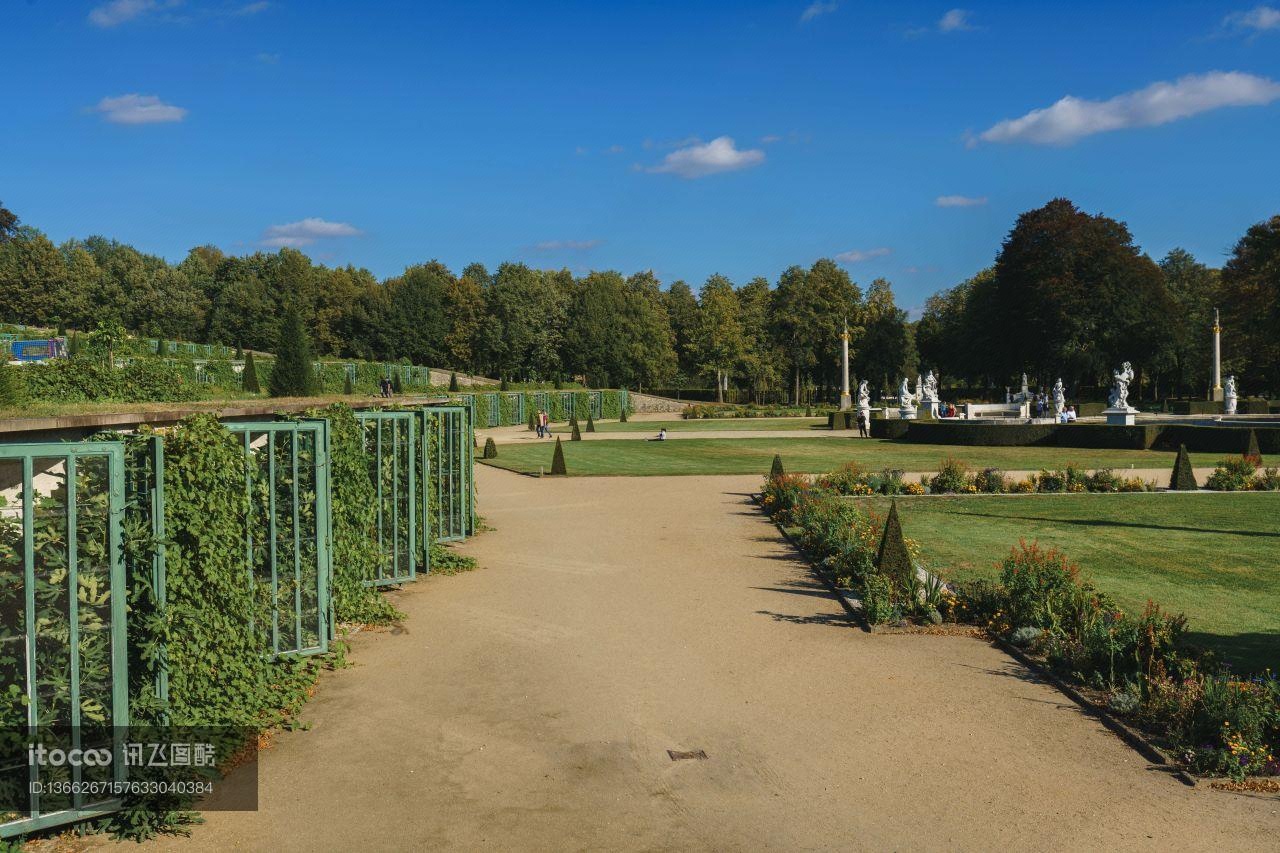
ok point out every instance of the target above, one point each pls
(1026, 392)
(930, 392)
(864, 395)
(1059, 397)
(905, 397)
(1229, 396)
(1121, 378)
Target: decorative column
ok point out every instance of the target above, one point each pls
(1217, 357)
(846, 401)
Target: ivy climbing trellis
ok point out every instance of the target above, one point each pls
(391, 444)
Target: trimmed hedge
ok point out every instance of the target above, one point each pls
(1198, 439)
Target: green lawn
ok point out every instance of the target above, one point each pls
(754, 455)
(703, 424)
(1215, 557)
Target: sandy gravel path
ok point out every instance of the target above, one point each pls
(530, 705)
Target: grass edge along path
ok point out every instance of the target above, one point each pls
(1214, 557)
(620, 457)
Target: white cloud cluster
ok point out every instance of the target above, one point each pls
(956, 20)
(1071, 118)
(566, 245)
(960, 201)
(138, 109)
(305, 232)
(119, 11)
(857, 256)
(817, 9)
(1259, 18)
(699, 159)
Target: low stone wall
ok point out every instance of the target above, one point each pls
(441, 379)
(646, 403)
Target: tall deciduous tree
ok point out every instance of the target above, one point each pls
(718, 340)
(1193, 288)
(1251, 305)
(885, 351)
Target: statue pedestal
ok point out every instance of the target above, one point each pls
(1229, 406)
(907, 413)
(1120, 417)
(1217, 395)
(931, 406)
(846, 402)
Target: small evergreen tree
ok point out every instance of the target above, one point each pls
(577, 433)
(502, 384)
(623, 417)
(808, 411)
(776, 471)
(397, 386)
(557, 384)
(73, 345)
(239, 352)
(557, 459)
(162, 348)
(292, 375)
(591, 423)
(490, 449)
(347, 387)
(892, 560)
(12, 388)
(533, 421)
(249, 376)
(453, 380)
(1183, 479)
(1251, 451)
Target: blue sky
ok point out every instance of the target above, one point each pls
(689, 138)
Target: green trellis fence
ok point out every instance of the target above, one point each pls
(453, 452)
(391, 439)
(63, 654)
(287, 479)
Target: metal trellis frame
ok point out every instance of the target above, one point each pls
(390, 441)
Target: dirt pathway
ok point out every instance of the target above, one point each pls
(530, 705)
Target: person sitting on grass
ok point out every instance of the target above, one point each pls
(662, 435)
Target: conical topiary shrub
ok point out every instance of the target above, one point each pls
(533, 421)
(1252, 452)
(453, 381)
(591, 424)
(892, 560)
(1183, 479)
(808, 411)
(777, 470)
(249, 376)
(239, 352)
(397, 386)
(292, 374)
(557, 460)
(490, 449)
(623, 416)
(162, 348)
(577, 433)
(347, 387)
(502, 384)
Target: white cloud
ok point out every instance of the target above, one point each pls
(960, 201)
(305, 232)
(1258, 18)
(566, 245)
(268, 58)
(119, 11)
(138, 109)
(817, 9)
(956, 20)
(1074, 118)
(614, 149)
(249, 9)
(857, 256)
(770, 139)
(698, 159)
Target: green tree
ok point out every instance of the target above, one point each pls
(292, 374)
(893, 560)
(8, 223)
(1193, 288)
(760, 355)
(32, 274)
(249, 375)
(717, 341)
(885, 351)
(1251, 307)
(682, 310)
(557, 460)
(464, 312)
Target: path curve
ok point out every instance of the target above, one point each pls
(530, 705)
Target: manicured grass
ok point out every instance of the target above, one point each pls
(1215, 557)
(705, 424)
(754, 455)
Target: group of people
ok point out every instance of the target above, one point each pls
(542, 424)
(384, 388)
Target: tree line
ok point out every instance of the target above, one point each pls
(1069, 295)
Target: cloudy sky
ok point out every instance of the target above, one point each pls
(690, 138)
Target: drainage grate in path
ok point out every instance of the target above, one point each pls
(694, 755)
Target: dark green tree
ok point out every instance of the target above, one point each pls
(1184, 478)
(490, 449)
(1251, 450)
(622, 417)
(347, 387)
(292, 375)
(591, 424)
(249, 375)
(12, 388)
(892, 560)
(1250, 293)
(162, 348)
(8, 223)
(576, 434)
(557, 459)
(397, 384)
(453, 380)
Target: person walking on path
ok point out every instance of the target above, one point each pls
(862, 425)
(546, 424)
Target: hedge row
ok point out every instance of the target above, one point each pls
(1198, 439)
